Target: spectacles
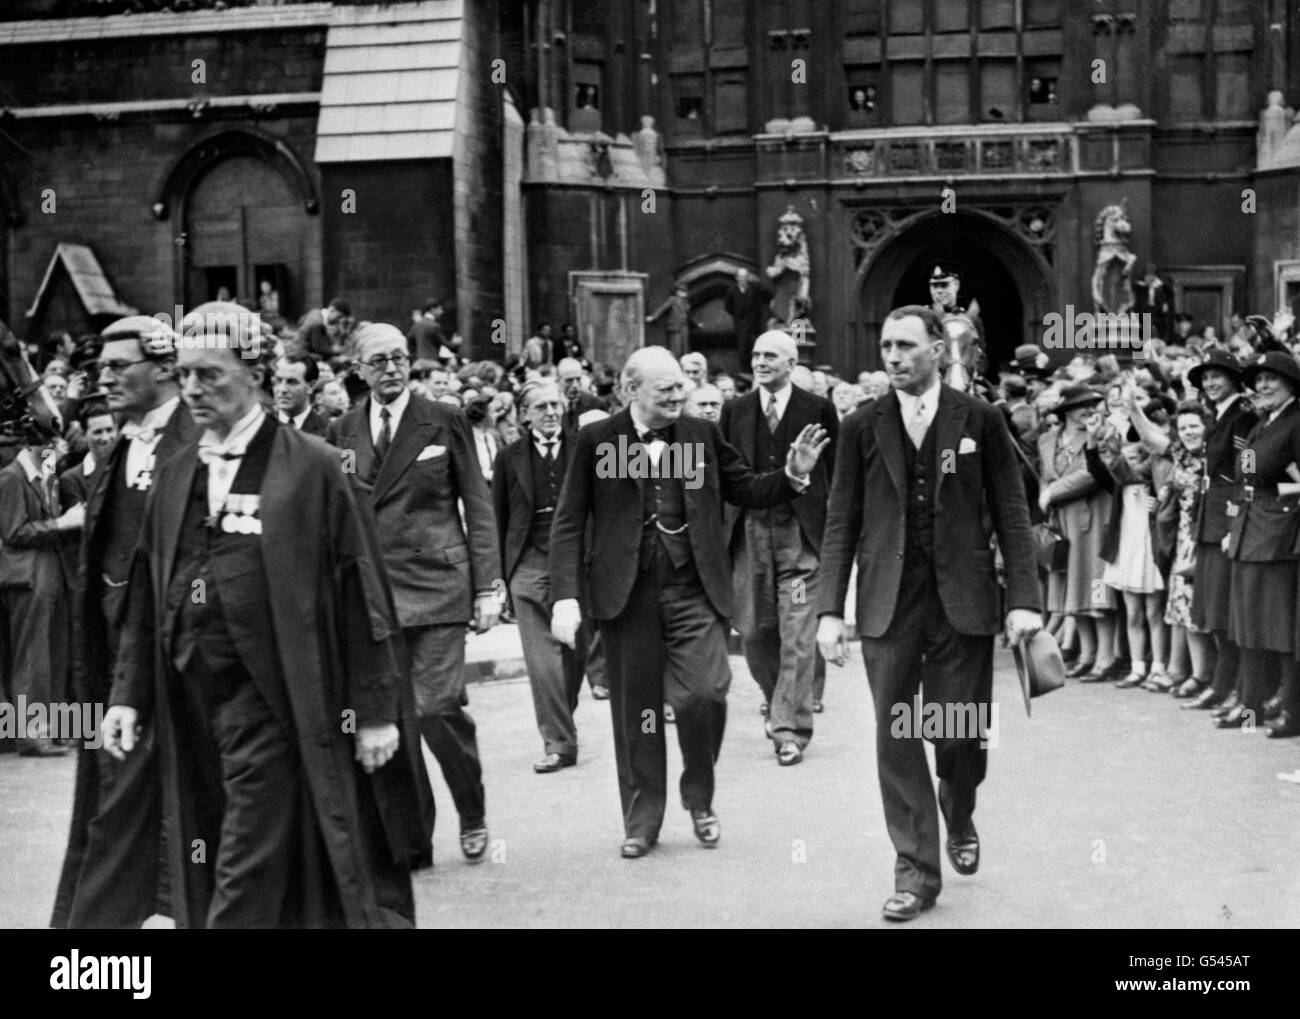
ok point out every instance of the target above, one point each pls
(118, 367)
(380, 361)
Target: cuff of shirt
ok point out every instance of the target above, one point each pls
(796, 482)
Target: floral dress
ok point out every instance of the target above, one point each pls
(1186, 480)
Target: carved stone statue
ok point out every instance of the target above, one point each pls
(543, 140)
(1112, 277)
(646, 142)
(1273, 123)
(791, 269)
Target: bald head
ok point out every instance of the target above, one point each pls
(655, 386)
(773, 359)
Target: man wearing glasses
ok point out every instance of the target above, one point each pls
(110, 871)
(416, 460)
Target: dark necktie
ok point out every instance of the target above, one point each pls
(654, 433)
(385, 434)
(548, 453)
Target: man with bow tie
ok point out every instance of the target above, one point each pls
(110, 872)
(526, 484)
(416, 462)
(646, 557)
(258, 652)
(925, 477)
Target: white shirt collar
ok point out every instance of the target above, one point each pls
(240, 435)
(1222, 406)
(929, 400)
(395, 411)
(30, 467)
(538, 441)
(88, 464)
(781, 396)
(297, 419)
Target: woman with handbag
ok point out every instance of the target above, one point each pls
(1080, 507)
(1265, 516)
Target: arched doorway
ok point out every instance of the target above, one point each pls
(243, 227)
(1011, 282)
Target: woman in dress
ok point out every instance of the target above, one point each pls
(1080, 507)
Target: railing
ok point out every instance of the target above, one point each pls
(946, 152)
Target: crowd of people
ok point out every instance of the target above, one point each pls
(1163, 492)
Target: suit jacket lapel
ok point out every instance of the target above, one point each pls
(171, 500)
(524, 469)
(412, 433)
(354, 435)
(948, 421)
(890, 439)
(750, 418)
(623, 426)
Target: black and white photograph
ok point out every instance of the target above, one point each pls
(651, 464)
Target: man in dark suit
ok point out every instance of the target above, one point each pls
(775, 551)
(110, 871)
(36, 541)
(578, 400)
(747, 302)
(925, 477)
(639, 526)
(417, 461)
(291, 387)
(525, 489)
(258, 647)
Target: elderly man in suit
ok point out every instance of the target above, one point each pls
(925, 478)
(291, 387)
(110, 872)
(639, 527)
(525, 490)
(775, 551)
(417, 461)
(258, 647)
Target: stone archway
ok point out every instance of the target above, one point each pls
(706, 280)
(1014, 275)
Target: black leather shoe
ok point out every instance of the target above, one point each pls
(1078, 669)
(964, 852)
(1272, 707)
(788, 753)
(1226, 705)
(553, 762)
(1206, 699)
(636, 846)
(474, 843)
(1286, 726)
(707, 828)
(903, 906)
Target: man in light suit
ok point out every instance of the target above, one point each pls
(416, 459)
(925, 477)
(640, 521)
(776, 550)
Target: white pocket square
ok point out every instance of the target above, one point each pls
(429, 452)
(967, 445)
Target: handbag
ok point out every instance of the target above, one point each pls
(1051, 546)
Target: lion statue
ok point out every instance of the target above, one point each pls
(792, 253)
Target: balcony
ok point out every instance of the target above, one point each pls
(1030, 150)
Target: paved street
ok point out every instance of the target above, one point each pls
(1110, 808)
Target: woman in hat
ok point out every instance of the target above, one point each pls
(1080, 508)
(1218, 378)
(1264, 513)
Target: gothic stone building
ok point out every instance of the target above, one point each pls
(573, 160)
